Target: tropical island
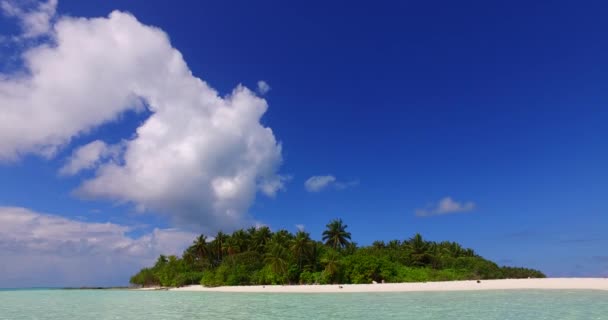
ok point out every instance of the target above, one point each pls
(258, 256)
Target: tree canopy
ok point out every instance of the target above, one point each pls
(258, 256)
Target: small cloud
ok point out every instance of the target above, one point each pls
(300, 227)
(445, 206)
(263, 87)
(271, 186)
(319, 183)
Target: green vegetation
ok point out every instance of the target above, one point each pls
(259, 256)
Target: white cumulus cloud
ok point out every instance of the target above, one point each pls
(199, 158)
(34, 21)
(39, 249)
(446, 205)
(89, 156)
(320, 183)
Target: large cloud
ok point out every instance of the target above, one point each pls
(46, 250)
(199, 157)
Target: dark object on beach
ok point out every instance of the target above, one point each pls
(340, 287)
(478, 281)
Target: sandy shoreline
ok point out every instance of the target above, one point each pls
(507, 284)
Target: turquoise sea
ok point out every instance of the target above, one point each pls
(128, 305)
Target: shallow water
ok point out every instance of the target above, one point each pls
(127, 305)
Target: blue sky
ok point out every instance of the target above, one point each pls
(487, 119)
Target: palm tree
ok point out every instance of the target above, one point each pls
(453, 249)
(336, 235)
(161, 261)
(282, 236)
(218, 245)
(419, 250)
(378, 244)
(251, 231)
(470, 253)
(277, 257)
(188, 256)
(197, 254)
(260, 238)
(231, 246)
(350, 248)
(394, 244)
(173, 259)
(251, 235)
(300, 246)
(240, 239)
(313, 256)
(417, 244)
(199, 246)
(332, 263)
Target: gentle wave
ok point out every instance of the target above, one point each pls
(129, 305)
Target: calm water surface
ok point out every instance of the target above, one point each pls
(128, 305)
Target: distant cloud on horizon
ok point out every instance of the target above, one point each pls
(46, 249)
(320, 183)
(445, 206)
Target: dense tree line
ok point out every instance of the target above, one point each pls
(260, 256)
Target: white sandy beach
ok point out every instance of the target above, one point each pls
(508, 284)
